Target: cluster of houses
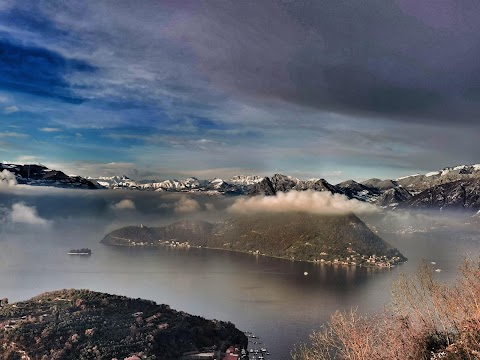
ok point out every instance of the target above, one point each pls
(357, 259)
(173, 243)
(170, 243)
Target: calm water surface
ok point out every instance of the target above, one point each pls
(270, 297)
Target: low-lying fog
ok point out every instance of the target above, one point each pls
(269, 296)
(81, 218)
(67, 213)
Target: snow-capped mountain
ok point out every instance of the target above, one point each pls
(437, 189)
(393, 196)
(191, 184)
(177, 185)
(418, 182)
(114, 181)
(457, 186)
(359, 191)
(39, 175)
(245, 180)
(457, 194)
(283, 183)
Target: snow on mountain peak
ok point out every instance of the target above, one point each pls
(406, 177)
(245, 179)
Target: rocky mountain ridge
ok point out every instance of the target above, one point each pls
(40, 175)
(413, 190)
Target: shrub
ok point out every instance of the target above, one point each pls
(426, 320)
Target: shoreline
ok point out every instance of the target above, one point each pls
(331, 263)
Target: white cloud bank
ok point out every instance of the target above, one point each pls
(309, 201)
(125, 204)
(25, 214)
(186, 205)
(7, 179)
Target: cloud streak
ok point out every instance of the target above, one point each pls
(125, 204)
(324, 203)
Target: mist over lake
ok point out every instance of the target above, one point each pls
(270, 297)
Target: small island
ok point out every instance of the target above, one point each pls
(83, 324)
(329, 239)
(84, 252)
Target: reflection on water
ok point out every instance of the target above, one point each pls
(270, 297)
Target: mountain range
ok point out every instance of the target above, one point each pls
(451, 187)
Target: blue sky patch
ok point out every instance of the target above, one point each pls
(38, 71)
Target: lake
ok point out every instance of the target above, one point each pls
(270, 297)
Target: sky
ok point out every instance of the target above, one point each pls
(338, 89)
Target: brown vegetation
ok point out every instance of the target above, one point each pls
(427, 320)
(82, 324)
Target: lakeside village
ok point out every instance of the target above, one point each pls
(353, 258)
(256, 351)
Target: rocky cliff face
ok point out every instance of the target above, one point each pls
(418, 183)
(40, 175)
(264, 187)
(394, 196)
(355, 190)
(282, 183)
(461, 194)
(379, 185)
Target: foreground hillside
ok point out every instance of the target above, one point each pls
(428, 319)
(298, 236)
(82, 324)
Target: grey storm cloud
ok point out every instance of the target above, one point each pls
(391, 58)
(399, 59)
(299, 87)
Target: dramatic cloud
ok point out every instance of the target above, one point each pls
(307, 201)
(351, 56)
(308, 88)
(125, 204)
(25, 214)
(7, 179)
(186, 205)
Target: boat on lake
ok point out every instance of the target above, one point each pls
(80, 252)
